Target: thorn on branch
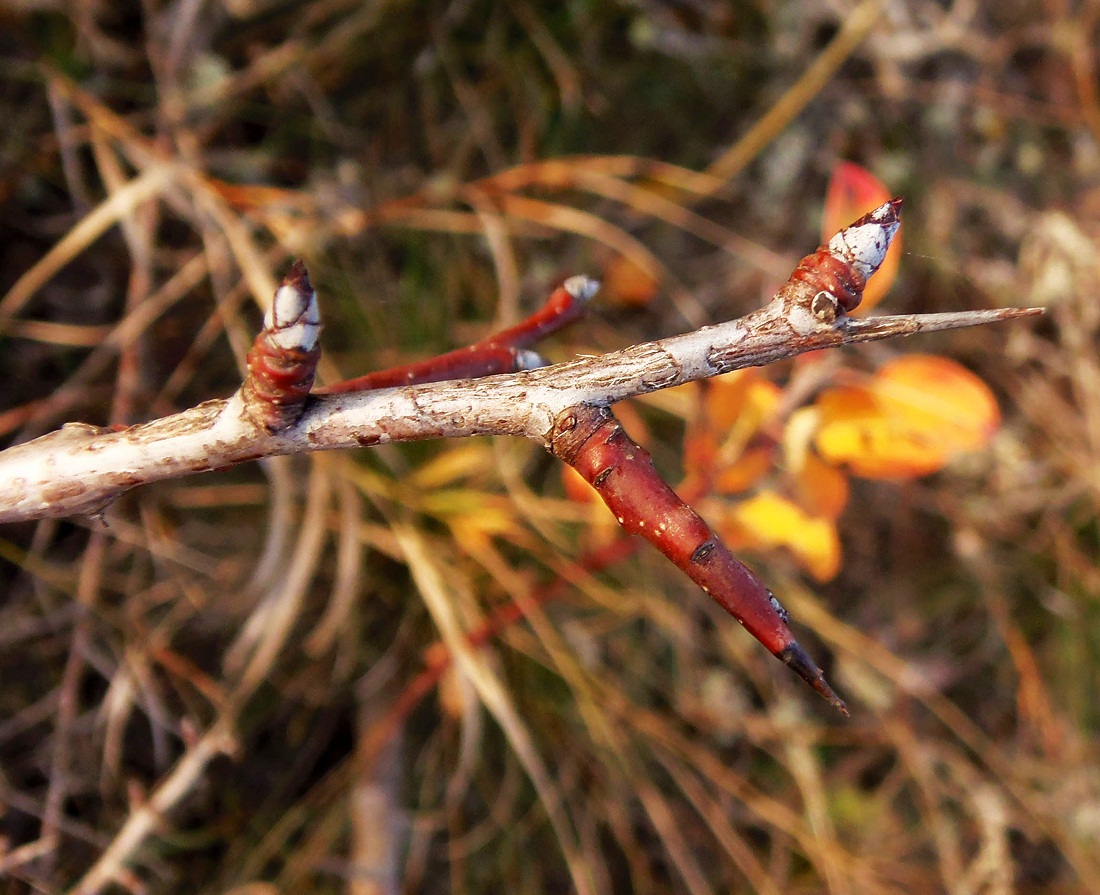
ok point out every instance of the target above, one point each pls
(283, 359)
(591, 440)
(76, 472)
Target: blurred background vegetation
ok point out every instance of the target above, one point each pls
(239, 685)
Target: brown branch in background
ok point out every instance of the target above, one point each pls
(502, 352)
(283, 359)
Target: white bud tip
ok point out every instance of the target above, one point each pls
(294, 318)
(529, 360)
(582, 288)
(864, 243)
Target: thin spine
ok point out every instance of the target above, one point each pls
(591, 440)
(283, 359)
(502, 352)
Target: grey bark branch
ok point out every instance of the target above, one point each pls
(82, 469)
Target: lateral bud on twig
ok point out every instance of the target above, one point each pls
(283, 359)
(839, 271)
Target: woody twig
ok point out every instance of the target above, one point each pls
(564, 407)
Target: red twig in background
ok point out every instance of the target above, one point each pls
(566, 304)
(470, 362)
(503, 352)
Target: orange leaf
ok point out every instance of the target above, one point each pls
(743, 399)
(735, 408)
(854, 191)
(745, 471)
(769, 520)
(576, 488)
(625, 282)
(820, 488)
(909, 420)
(941, 393)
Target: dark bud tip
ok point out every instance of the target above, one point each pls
(886, 215)
(297, 276)
(800, 663)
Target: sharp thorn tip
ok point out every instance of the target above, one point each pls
(801, 664)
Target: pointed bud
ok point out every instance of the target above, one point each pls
(283, 359)
(863, 244)
(837, 273)
(294, 318)
(582, 288)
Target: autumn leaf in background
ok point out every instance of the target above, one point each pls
(907, 420)
(788, 498)
(726, 450)
(627, 283)
(769, 521)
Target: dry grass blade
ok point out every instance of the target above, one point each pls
(718, 821)
(430, 583)
(254, 652)
(569, 173)
(145, 818)
(988, 753)
(117, 206)
(349, 569)
(856, 26)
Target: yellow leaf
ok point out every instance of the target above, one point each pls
(769, 521)
(854, 191)
(909, 420)
(820, 488)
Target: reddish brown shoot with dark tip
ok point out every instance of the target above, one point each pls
(591, 440)
(502, 352)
